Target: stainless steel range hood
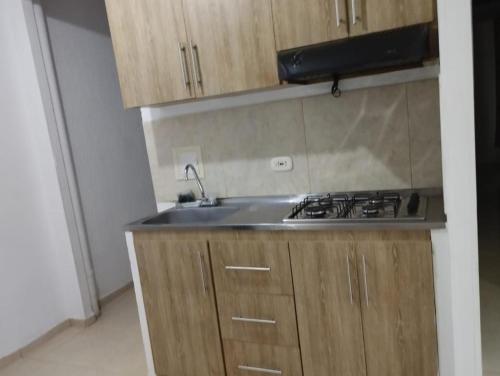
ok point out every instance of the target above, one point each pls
(400, 48)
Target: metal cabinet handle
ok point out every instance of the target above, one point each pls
(196, 64)
(366, 284)
(183, 57)
(248, 268)
(260, 370)
(202, 271)
(355, 17)
(255, 321)
(337, 13)
(349, 278)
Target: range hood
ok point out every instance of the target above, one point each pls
(400, 48)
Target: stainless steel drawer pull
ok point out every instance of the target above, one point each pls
(337, 12)
(355, 17)
(195, 57)
(366, 283)
(249, 268)
(261, 370)
(202, 271)
(349, 278)
(182, 54)
(256, 321)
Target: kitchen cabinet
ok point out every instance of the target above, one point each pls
(171, 50)
(301, 23)
(151, 51)
(232, 44)
(180, 306)
(398, 308)
(370, 16)
(322, 303)
(328, 308)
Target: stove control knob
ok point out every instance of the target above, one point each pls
(413, 204)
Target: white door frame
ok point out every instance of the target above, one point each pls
(42, 55)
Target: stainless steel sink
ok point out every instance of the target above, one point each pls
(191, 215)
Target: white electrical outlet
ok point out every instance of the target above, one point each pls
(282, 164)
(188, 155)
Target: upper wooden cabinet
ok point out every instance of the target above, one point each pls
(232, 44)
(301, 23)
(179, 300)
(369, 16)
(171, 50)
(151, 50)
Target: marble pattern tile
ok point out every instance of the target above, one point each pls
(359, 141)
(425, 133)
(378, 138)
(258, 134)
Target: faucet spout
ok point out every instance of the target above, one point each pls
(197, 178)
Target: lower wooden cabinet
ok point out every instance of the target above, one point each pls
(321, 304)
(180, 306)
(398, 308)
(328, 309)
(246, 359)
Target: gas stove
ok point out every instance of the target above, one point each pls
(363, 206)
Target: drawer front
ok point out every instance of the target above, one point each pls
(252, 267)
(247, 359)
(264, 319)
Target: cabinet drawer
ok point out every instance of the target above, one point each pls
(246, 359)
(265, 319)
(252, 267)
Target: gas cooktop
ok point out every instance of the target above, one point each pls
(364, 206)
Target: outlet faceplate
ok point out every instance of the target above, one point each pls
(188, 155)
(282, 164)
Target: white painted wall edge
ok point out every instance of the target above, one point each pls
(150, 114)
(140, 303)
(62, 155)
(459, 280)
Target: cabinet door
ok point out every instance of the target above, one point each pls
(328, 308)
(398, 308)
(180, 307)
(150, 44)
(232, 45)
(300, 23)
(368, 16)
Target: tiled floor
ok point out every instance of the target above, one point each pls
(112, 346)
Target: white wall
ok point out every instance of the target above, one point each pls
(38, 282)
(107, 142)
(456, 249)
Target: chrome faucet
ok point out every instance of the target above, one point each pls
(205, 201)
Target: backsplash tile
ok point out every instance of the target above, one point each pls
(425, 133)
(362, 140)
(358, 141)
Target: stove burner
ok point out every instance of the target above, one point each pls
(383, 205)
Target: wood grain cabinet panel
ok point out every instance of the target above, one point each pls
(180, 306)
(247, 359)
(150, 45)
(328, 308)
(304, 22)
(369, 16)
(264, 319)
(252, 267)
(398, 308)
(233, 45)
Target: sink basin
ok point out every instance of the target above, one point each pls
(191, 215)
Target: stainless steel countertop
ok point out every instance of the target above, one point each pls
(267, 213)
